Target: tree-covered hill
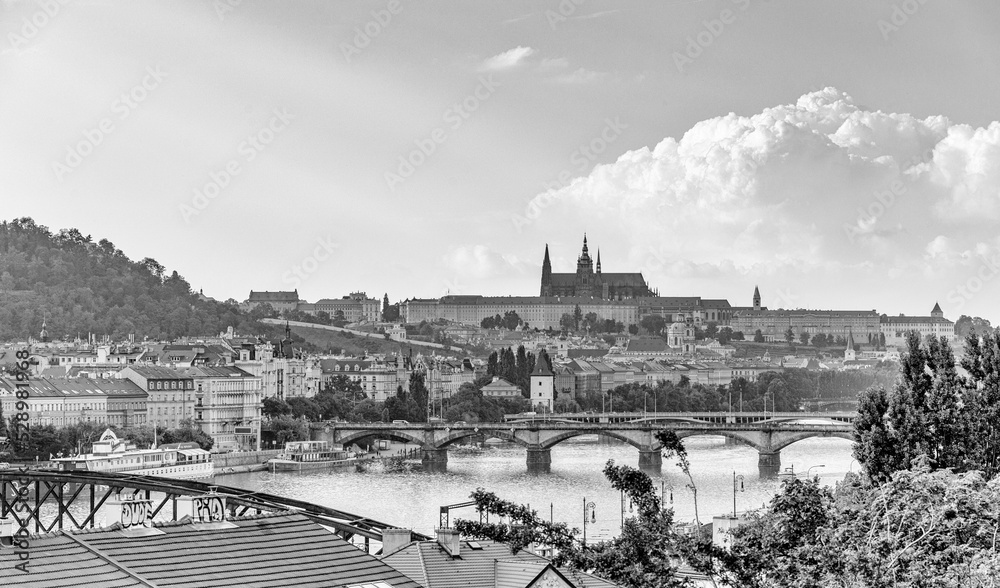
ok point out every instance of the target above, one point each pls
(80, 286)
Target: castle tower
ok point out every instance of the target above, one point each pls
(598, 262)
(584, 271)
(546, 274)
(849, 353)
(543, 382)
(756, 298)
(936, 312)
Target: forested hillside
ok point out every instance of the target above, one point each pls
(80, 286)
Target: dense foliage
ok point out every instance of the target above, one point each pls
(78, 287)
(785, 391)
(919, 529)
(46, 440)
(934, 413)
(515, 367)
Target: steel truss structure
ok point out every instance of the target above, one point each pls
(24, 493)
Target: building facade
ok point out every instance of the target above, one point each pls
(897, 328)
(773, 324)
(356, 307)
(171, 393)
(279, 301)
(227, 405)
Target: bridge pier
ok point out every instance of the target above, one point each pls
(539, 460)
(769, 463)
(435, 460)
(650, 461)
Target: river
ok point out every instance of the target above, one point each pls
(411, 498)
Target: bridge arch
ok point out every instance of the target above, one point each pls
(744, 438)
(457, 435)
(790, 438)
(554, 440)
(395, 435)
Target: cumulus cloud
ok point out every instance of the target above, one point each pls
(507, 59)
(821, 191)
(479, 262)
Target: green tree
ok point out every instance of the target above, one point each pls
(923, 416)
(804, 337)
(577, 317)
(789, 335)
(187, 432)
(758, 337)
(567, 322)
(653, 324)
(273, 406)
(286, 428)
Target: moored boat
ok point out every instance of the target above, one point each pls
(301, 456)
(113, 455)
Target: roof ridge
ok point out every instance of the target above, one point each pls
(99, 553)
(423, 567)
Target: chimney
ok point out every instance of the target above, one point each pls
(394, 539)
(450, 540)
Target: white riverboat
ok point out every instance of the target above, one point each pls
(111, 454)
(309, 455)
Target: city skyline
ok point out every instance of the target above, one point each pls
(718, 146)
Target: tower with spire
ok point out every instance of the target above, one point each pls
(936, 312)
(584, 271)
(756, 298)
(546, 274)
(849, 353)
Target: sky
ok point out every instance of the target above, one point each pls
(839, 155)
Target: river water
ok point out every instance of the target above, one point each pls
(411, 498)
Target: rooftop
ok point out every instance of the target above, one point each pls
(262, 551)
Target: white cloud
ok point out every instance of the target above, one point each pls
(478, 262)
(507, 59)
(822, 191)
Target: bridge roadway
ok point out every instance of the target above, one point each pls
(768, 433)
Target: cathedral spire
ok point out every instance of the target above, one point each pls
(598, 260)
(585, 252)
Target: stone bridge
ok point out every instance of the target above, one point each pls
(538, 436)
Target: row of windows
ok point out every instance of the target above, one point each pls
(171, 385)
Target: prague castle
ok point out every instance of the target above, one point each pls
(590, 283)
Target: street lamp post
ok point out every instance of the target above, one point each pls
(809, 469)
(737, 483)
(593, 517)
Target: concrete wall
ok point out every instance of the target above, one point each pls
(225, 460)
